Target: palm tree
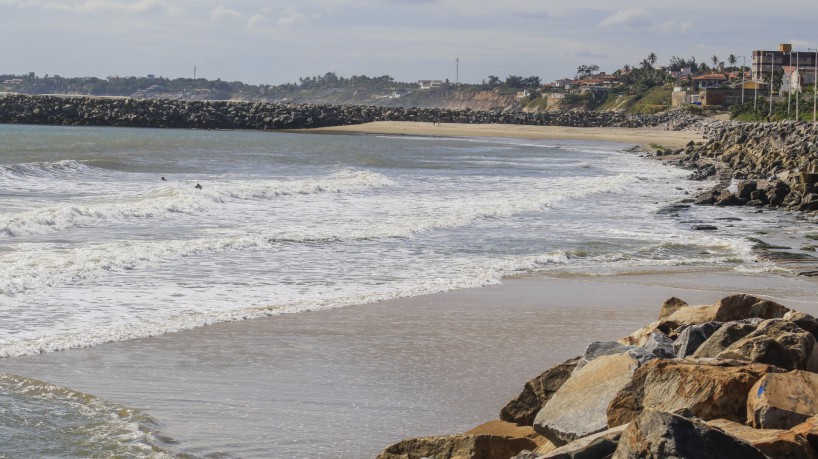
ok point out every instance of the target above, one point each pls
(645, 64)
(732, 59)
(715, 61)
(626, 68)
(652, 58)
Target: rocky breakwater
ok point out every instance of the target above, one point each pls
(736, 379)
(93, 111)
(775, 165)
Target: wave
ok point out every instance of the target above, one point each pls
(168, 200)
(86, 425)
(43, 169)
(27, 269)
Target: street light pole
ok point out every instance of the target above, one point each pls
(743, 62)
(772, 67)
(797, 86)
(815, 89)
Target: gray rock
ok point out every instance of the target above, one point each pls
(599, 348)
(725, 336)
(654, 434)
(579, 408)
(523, 409)
(692, 337)
(660, 345)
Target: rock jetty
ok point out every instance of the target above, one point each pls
(165, 113)
(735, 379)
(772, 165)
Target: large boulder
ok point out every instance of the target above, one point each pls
(783, 400)
(708, 389)
(598, 349)
(776, 342)
(524, 408)
(655, 434)
(496, 440)
(739, 307)
(598, 445)
(802, 319)
(670, 306)
(772, 442)
(692, 337)
(579, 407)
(726, 335)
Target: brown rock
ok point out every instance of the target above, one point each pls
(458, 447)
(670, 306)
(722, 338)
(776, 342)
(654, 434)
(598, 445)
(783, 400)
(773, 443)
(684, 316)
(578, 409)
(803, 320)
(708, 389)
(524, 408)
(808, 429)
(738, 307)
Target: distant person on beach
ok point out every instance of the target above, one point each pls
(198, 187)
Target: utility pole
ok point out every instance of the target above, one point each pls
(194, 72)
(797, 86)
(772, 66)
(789, 89)
(815, 89)
(743, 62)
(457, 72)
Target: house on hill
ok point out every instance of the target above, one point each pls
(710, 80)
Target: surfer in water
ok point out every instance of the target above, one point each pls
(164, 179)
(198, 186)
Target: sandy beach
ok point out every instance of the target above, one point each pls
(641, 136)
(429, 365)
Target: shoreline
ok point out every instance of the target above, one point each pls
(449, 361)
(645, 136)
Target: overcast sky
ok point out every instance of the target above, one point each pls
(279, 41)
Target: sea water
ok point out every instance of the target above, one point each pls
(105, 237)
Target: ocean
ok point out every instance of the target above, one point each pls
(106, 239)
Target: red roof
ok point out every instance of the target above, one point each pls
(711, 76)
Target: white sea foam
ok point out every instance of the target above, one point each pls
(168, 200)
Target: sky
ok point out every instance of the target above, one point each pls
(275, 42)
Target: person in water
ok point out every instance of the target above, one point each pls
(198, 187)
(164, 179)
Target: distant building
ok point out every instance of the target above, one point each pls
(765, 62)
(796, 79)
(684, 72)
(429, 84)
(710, 80)
(523, 94)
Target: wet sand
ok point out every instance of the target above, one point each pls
(642, 136)
(346, 383)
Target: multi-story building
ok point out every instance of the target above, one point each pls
(765, 62)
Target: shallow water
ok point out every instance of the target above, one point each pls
(95, 248)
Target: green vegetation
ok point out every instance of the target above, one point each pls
(759, 110)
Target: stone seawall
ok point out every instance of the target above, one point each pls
(735, 379)
(775, 165)
(91, 111)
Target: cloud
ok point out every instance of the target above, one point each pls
(673, 26)
(20, 3)
(291, 17)
(632, 18)
(222, 12)
(256, 21)
(96, 6)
